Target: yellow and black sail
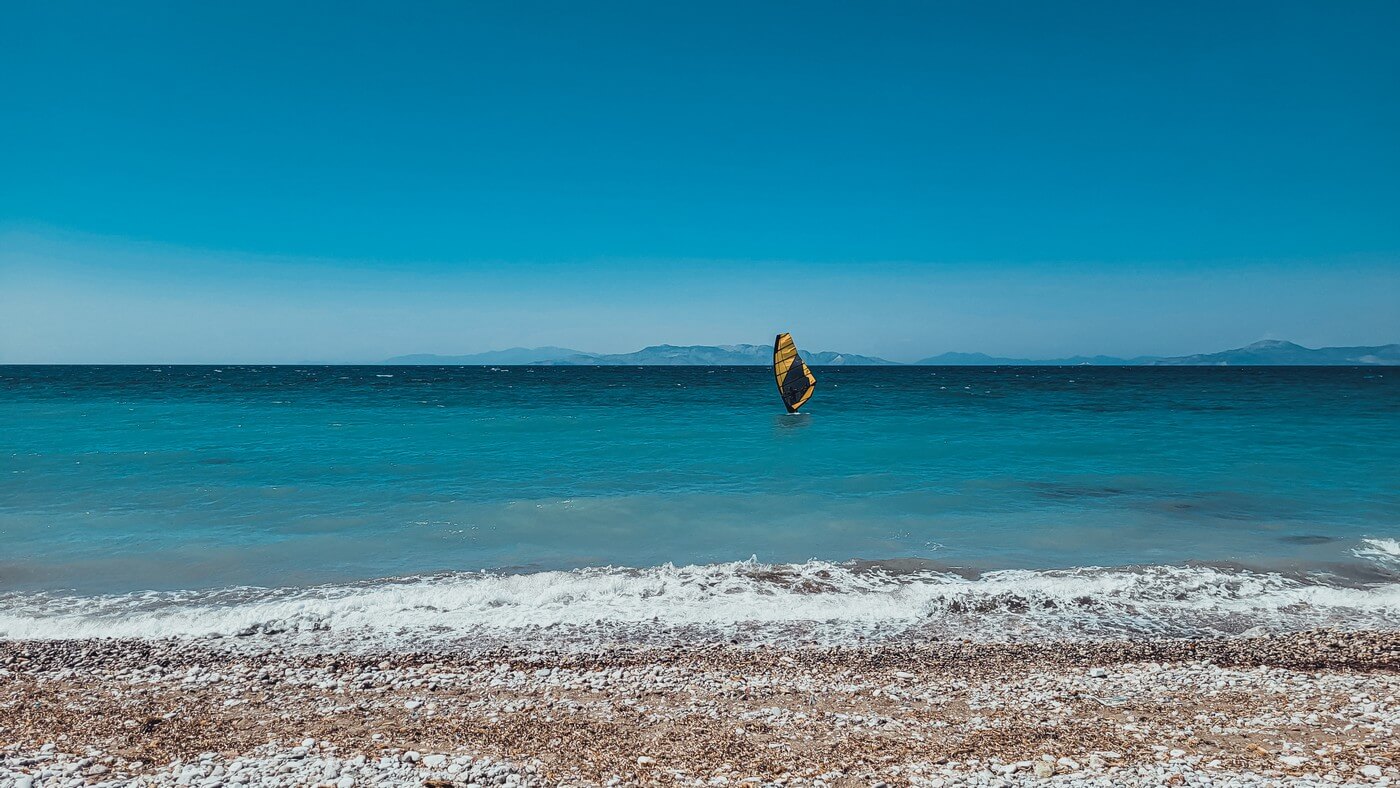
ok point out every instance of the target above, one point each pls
(795, 381)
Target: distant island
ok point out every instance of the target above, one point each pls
(656, 355)
(1266, 353)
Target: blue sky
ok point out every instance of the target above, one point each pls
(332, 181)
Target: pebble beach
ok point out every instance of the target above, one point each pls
(1311, 708)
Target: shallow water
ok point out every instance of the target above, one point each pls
(115, 481)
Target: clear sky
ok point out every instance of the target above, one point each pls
(337, 181)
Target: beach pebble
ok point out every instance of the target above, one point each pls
(1271, 714)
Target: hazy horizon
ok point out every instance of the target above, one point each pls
(82, 300)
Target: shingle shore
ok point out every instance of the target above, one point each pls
(1317, 707)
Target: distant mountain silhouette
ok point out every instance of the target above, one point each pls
(1267, 353)
(1274, 352)
(656, 355)
(984, 360)
(1270, 352)
(826, 358)
(515, 355)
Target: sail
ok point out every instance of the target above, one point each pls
(795, 381)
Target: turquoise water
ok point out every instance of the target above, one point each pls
(120, 480)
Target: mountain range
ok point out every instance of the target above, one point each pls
(656, 355)
(984, 360)
(1266, 353)
(1277, 352)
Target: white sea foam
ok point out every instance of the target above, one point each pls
(747, 602)
(1383, 552)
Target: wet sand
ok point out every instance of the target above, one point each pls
(1319, 708)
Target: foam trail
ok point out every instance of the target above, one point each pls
(748, 602)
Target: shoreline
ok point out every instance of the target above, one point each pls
(1304, 707)
(817, 602)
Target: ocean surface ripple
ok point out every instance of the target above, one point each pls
(564, 506)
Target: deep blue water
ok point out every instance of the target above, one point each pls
(126, 478)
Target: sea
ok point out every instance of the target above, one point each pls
(588, 507)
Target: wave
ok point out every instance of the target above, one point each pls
(744, 602)
(1384, 553)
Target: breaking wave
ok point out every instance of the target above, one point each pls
(745, 602)
(1384, 553)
